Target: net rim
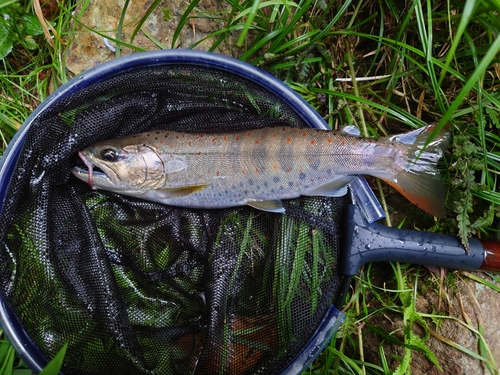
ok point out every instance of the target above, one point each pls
(9, 323)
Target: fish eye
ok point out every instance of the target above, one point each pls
(109, 154)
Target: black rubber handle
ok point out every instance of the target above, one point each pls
(366, 243)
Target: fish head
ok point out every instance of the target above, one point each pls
(121, 166)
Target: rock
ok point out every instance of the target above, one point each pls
(465, 306)
(100, 19)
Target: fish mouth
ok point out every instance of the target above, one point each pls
(90, 178)
(91, 174)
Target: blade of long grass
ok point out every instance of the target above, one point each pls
(469, 84)
(256, 46)
(182, 21)
(248, 22)
(119, 29)
(495, 99)
(426, 38)
(402, 115)
(150, 10)
(319, 35)
(469, 9)
(118, 42)
(480, 114)
(287, 30)
(54, 366)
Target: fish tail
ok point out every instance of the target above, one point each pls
(419, 179)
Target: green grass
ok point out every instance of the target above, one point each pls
(386, 66)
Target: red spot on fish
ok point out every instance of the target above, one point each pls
(283, 129)
(171, 146)
(275, 166)
(256, 170)
(190, 144)
(288, 169)
(199, 152)
(289, 139)
(262, 138)
(304, 134)
(238, 138)
(274, 135)
(161, 142)
(217, 173)
(225, 138)
(243, 171)
(182, 135)
(342, 143)
(329, 140)
(249, 134)
(354, 143)
(214, 139)
(313, 142)
(257, 142)
(310, 160)
(176, 137)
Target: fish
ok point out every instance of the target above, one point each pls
(261, 167)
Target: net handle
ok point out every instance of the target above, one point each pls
(367, 243)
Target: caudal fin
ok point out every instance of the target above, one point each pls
(420, 181)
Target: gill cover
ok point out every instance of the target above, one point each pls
(131, 166)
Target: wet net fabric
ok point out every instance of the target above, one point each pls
(135, 287)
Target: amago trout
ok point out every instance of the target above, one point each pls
(260, 167)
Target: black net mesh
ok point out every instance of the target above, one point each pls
(135, 287)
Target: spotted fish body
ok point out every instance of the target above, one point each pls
(260, 167)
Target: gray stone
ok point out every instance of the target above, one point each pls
(99, 20)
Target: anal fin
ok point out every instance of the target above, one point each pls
(335, 188)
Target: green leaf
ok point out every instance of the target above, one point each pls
(32, 25)
(493, 116)
(424, 349)
(54, 366)
(22, 371)
(30, 43)
(6, 43)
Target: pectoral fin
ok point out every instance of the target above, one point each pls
(335, 188)
(269, 206)
(177, 192)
